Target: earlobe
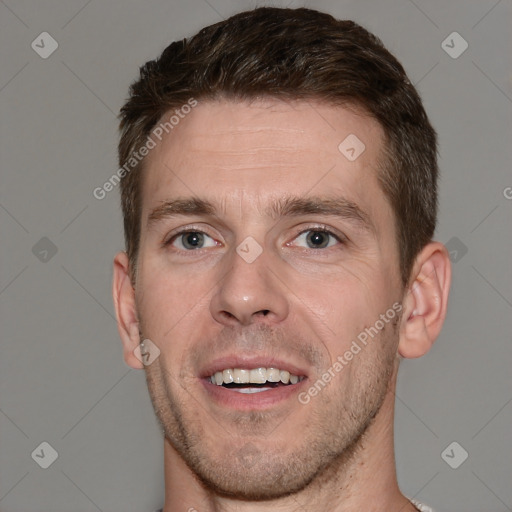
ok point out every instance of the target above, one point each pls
(425, 302)
(126, 312)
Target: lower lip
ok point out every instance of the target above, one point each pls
(232, 399)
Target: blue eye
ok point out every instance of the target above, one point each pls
(318, 238)
(191, 240)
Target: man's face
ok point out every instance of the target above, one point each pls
(264, 246)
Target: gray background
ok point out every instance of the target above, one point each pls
(63, 379)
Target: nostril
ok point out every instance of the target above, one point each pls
(230, 317)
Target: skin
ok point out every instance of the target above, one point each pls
(294, 303)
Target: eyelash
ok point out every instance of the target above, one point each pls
(321, 229)
(190, 229)
(317, 229)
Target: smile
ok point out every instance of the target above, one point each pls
(242, 380)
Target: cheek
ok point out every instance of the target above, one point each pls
(344, 305)
(168, 301)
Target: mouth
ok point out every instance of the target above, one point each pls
(255, 380)
(251, 385)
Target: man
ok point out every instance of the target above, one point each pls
(279, 199)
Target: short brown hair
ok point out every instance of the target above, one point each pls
(294, 54)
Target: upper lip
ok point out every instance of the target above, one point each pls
(250, 362)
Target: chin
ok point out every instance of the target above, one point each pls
(259, 482)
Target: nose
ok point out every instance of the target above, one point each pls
(250, 292)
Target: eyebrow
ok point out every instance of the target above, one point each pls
(289, 206)
(187, 206)
(335, 207)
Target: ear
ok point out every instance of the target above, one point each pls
(126, 312)
(425, 301)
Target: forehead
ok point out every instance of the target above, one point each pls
(251, 152)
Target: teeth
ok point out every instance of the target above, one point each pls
(258, 376)
(285, 376)
(240, 376)
(254, 376)
(273, 375)
(251, 390)
(227, 376)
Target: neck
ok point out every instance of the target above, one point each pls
(364, 481)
